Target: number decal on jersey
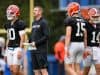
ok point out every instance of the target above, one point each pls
(11, 34)
(80, 27)
(95, 38)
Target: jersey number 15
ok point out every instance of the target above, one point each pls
(80, 28)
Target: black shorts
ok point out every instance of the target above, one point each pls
(39, 60)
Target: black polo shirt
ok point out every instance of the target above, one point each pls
(39, 35)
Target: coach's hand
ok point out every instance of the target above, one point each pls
(33, 44)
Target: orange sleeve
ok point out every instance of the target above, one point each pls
(59, 51)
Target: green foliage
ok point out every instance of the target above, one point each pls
(23, 5)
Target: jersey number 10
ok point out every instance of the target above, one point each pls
(11, 34)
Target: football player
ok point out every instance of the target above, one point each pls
(92, 52)
(15, 38)
(74, 41)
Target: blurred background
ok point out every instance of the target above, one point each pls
(54, 12)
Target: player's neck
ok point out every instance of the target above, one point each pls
(94, 25)
(13, 21)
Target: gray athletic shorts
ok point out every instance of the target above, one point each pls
(76, 50)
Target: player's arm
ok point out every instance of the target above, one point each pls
(22, 40)
(85, 38)
(86, 52)
(22, 34)
(21, 29)
(68, 38)
(68, 24)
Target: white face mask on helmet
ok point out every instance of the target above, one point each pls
(10, 16)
